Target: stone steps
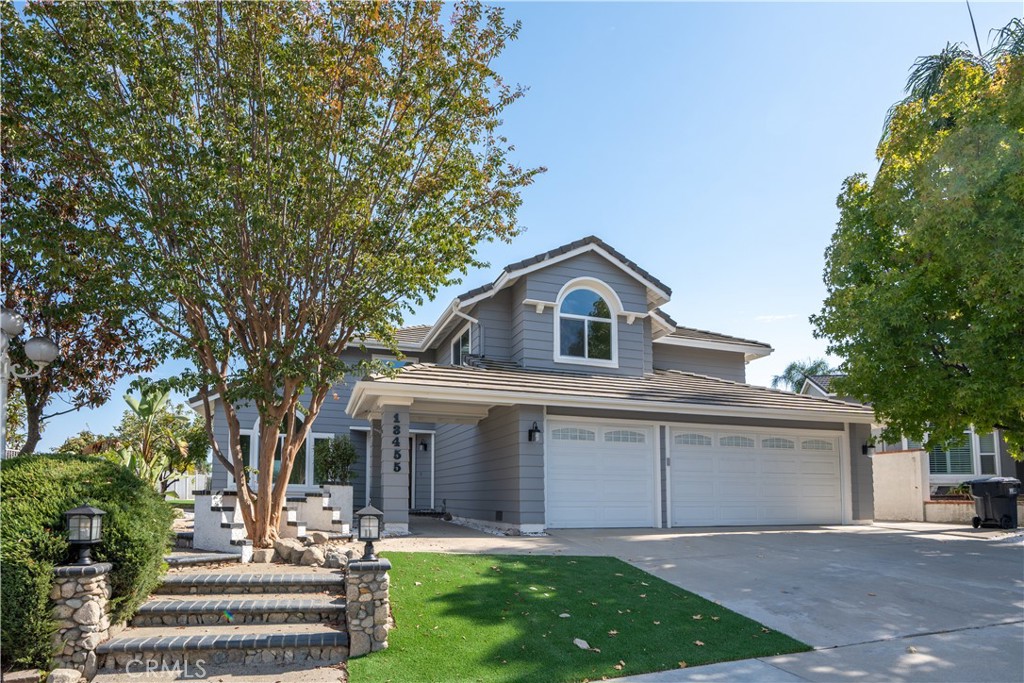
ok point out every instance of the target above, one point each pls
(326, 582)
(318, 608)
(220, 644)
(196, 559)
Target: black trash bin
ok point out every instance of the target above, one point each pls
(995, 502)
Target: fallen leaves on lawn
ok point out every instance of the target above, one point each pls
(417, 583)
(715, 618)
(564, 615)
(619, 666)
(682, 665)
(698, 617)
(643, 595)
(613, 633)
(657, 623)
(699, 643)
(765, 630)
(618, 574)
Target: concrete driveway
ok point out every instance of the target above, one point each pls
(887, 602)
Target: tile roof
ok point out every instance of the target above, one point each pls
(705, 335)
(824, 381)
(412, 336)
(661, 386)
(564, 249)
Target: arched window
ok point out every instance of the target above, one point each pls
(585, 326)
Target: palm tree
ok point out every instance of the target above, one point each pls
(792, 378)
(927, 72)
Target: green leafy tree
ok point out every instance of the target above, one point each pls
(15, 417)
(796, 373)
(273, 179)
(924, 273)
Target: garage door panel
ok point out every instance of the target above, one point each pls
(606, 482)
(752, 478)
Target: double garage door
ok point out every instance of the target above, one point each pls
(607, 475)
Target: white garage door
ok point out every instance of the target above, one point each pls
(750, 478)
(600, 475)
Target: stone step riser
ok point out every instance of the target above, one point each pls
(311, 617)
(241, 589)
(136, 662)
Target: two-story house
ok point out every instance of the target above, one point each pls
(561, 395)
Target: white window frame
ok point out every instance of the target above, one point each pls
(455, 343)
(614, 309)
(974, 441)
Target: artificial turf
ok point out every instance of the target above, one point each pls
(501, 618)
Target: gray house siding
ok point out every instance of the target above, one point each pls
(492, 337)
(723, 364)
(860, 473)
(490, 471)
(533, 333)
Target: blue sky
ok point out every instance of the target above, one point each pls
(707, 142)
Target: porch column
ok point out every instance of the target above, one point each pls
(394, 465)
(373, 455)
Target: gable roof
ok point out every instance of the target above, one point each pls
(666, 391)
(589, 243)
(704, 339)
(822, 382)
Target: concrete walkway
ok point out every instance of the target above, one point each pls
(887, 602)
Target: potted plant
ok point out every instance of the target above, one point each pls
(332, 468)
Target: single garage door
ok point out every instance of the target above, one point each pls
(600, 475)
(750, 478)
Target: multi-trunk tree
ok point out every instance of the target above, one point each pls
(273, 179)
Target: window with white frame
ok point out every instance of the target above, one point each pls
(585, 326)
(461, 348)
(974, 454)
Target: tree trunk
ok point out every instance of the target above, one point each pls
(33, 430)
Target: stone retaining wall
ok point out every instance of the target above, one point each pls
(80, 596)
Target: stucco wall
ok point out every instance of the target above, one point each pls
(900, 485)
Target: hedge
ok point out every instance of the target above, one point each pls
(36, 492)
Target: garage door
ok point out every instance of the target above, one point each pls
(600, 475)
(750, 478)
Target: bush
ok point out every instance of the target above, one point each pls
(333, 461)
(36, 491)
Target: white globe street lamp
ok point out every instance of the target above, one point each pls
(40, 350)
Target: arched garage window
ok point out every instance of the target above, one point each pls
(586, 328)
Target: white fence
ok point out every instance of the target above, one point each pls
(183, 488)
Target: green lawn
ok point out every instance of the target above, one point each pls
(497, 618)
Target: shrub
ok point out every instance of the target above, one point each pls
(36, 491)
(333, 461)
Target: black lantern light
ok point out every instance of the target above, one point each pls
(371, 523)
(85, 527)
(533, 434)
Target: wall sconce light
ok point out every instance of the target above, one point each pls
(534, 434)
(424, 446)
(867, 448)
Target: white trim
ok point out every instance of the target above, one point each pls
(412, 471)
(384, 391)
(432, 461)
(668, 473)
(538, 305)
(750, 351)
(657, 476)
(197, 404)
(544, 461)
(845, 476)
(609, 296)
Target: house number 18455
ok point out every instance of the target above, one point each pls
(396, 442)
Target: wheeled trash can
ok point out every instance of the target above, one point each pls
(995, 502)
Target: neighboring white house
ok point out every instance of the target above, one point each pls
(977, 455)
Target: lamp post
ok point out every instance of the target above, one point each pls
(85, 529)
(370, 521)
(39, 350)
